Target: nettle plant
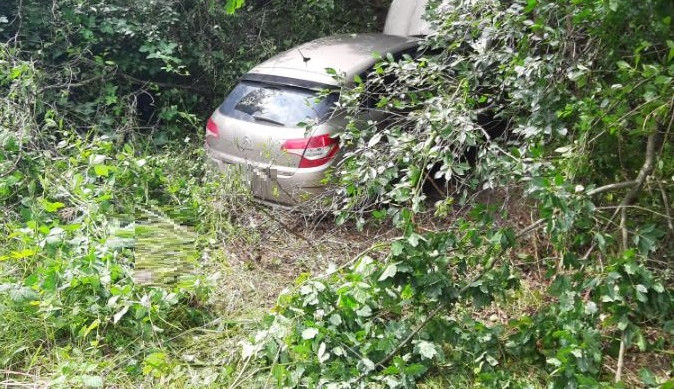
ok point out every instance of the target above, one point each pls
(526, 98)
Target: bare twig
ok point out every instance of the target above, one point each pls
(668, 212)
(662, 215)
(72, 84)
(264, 210)
(621, 359)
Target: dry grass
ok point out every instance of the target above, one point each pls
(253, 271)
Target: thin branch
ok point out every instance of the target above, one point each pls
(264, 210)
(72, 84)
(621, 359)
(644, 172)
(663, 215)
(14, 166)
(668, 212)
(609, 187)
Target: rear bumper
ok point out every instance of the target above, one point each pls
(276, 184)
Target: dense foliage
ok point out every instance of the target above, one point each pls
(561, 110)
(559, 103)
(101, 101)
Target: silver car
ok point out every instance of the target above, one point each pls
(278, 124)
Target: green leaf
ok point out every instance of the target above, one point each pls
(279, 373)
(92, 381)
(22, 254)
(389, 272)
(531, 5)
(647, 377)
(51, 207)
(309, 333)
(554, 362)
(84, 331)
(117, 316)
(232, 5)
(641, 292)
(414, 239)
(101, 170)
(427, 350)
(590, 308)
(322, 354)
(335, 319)
(622, 65)
(397, 247)
(415, 369)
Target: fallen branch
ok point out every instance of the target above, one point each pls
(443, 304)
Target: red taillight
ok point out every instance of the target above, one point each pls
(212, 128)
(314, 151)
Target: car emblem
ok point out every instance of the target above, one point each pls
(245, 144)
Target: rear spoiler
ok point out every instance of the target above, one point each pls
(286, 81)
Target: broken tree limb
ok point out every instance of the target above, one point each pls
(443, 304)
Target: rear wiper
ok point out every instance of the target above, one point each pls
(268, 120)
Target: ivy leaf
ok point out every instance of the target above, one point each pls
(322, 355)
(117, 316)
(641, 292)
(365, 365)
(413, 240)
(426, 349)
(389, 272)
(374, 140)
(309, 333)
(397, 248)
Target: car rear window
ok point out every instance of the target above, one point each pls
(283, 106)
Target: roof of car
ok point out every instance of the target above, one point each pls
(348, 54)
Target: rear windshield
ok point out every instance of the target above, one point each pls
(283, 106)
